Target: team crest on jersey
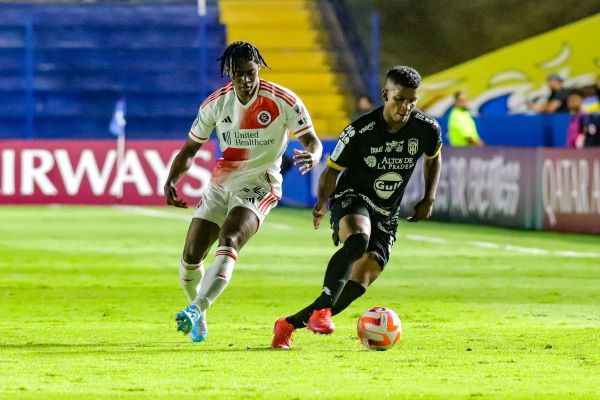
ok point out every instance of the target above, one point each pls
(386, 184)
(371, 161)
(413, 146)
(264, 118)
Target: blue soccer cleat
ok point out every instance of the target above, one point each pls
(191, 321)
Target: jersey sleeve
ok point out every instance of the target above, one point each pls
(434, 147)
(203, 124)
(298, 118)
(343, 153)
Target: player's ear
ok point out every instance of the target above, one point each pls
(384, 94)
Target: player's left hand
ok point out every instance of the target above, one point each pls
(305, 159)
(423, 210)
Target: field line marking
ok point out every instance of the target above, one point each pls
(171, 215)
(509, 247)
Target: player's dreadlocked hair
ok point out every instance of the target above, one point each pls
(405, 76)
(237, 50)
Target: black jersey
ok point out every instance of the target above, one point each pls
(378, 164)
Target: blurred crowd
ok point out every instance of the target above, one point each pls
(582, 104)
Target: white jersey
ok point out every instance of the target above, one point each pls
(252, 136)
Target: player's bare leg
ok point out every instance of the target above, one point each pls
(354, 231)
(239, 226)
(200, 237)
(364, 272)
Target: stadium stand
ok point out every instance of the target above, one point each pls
(291, 39)
(63, 67)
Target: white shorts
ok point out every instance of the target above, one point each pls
(216, 201)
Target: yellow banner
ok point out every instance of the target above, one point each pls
(508, 77)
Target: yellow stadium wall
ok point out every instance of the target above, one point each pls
(519, 70)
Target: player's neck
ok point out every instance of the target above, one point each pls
(245, 99)
(392, 126)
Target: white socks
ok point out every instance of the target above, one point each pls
(190, 276)
(217, 278)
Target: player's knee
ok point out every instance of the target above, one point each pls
(229, 240)
(366, 270)
(357, 244)
(193, 255)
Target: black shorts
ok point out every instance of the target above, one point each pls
(383, 228)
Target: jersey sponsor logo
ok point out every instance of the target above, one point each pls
(396, 163)
(263, 118)
(413, 146)
(245, 139)
(227, 137)
(226, 120)
(394, 146)
(346, 203)
(386, 184)
(368, 127)
(347, 134)
(371, 161)
(425, 118)
(375, 150)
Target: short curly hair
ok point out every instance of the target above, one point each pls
(405, 76)
(244, 50)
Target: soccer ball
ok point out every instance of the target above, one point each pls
(379, 328)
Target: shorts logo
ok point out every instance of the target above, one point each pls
(413, 146)
(346, 203)
(264, 118)
(386, 184)
(371, 161)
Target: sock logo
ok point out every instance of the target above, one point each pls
(222, 276)
(326, 290)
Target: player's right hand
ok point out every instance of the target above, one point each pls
(319, 209)
(172, 198)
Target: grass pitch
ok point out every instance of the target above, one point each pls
(88, 295)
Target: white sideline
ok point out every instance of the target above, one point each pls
(418, 238)
(149, 212)
(509, 247)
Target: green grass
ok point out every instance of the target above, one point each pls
(87, 297)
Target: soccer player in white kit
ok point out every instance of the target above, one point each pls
(251, 118)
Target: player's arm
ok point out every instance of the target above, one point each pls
(432, 169)
(183, 162)
(310, 156)
(326, 187)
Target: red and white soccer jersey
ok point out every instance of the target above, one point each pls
(252, 136)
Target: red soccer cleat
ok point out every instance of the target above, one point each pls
(283, 334)
(320, 322)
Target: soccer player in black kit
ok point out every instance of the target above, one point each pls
(376, 155)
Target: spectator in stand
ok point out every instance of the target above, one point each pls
(462, 130)
(591, 131)
(591, 103)
(557, 102)
(363, 106)
(575, 127)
